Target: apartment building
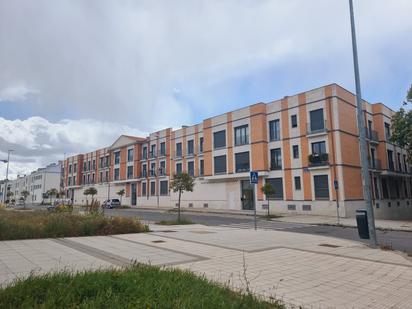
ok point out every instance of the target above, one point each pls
(305, 145)
(37, 184)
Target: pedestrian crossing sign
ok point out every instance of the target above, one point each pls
(254, 177)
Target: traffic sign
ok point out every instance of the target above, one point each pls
(254, 177)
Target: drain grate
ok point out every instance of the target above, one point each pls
(158, 241)
(329, 245)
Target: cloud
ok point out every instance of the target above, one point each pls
(37, 142)
(16, 93)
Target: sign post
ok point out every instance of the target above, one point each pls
(336, 185)
(254, 179)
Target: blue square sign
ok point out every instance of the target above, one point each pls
(254, 177)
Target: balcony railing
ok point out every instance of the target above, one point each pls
(243, 168)
(313, 128)
(274, 166)
(318, 159)
(143, 174)
(152, 173)
(190, 153)
(372, 135)
(375, 164)
(162, 172)
(178, 154)
(152, 154)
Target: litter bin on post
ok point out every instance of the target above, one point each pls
(362, 222)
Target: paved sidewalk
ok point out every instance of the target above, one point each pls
(301, 269)
(396, 225)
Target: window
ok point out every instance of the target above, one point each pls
(84, 166)
(178, 168)
(390, 160)
(242, 162)
(219, 139)
(84, 179)
(130, 155)
(117, 157)
(317, 122)
(191, 168)
(93, 178)
(399, 162)
(94, 164)
(164, 189)
(220, 164)
(153, 169)
(162, 148)
(387, 131)
(129, 172)
(152, 151)
(143, 189)
(294, 121)
(276, 159)
(318, 148)
(405, 163)
(190, 147)
(202, 168)
(152, 188)
(74, 180)
(201, 144)
(101, 176)
(277, 184)
(88, 166)
(144, 170)
(242, 135)
(178, 149)
(295, 151)
(297, 183)
(75, 168)
(88, 178)
(116, 174)
(162, 170)
(321, 186)
(70, 168)
(144, 153)
(69, 181)
(107, 176)
(375, 185)
(101, 162)
(274, 130)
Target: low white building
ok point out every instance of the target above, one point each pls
(37, 184)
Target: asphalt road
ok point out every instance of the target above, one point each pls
(398, 240)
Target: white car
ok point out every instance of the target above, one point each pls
(112, 203)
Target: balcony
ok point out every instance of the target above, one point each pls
(178, 154)
(375, 164)
(316, 128)
(152, 173)
(372, 136)
(152, 154)
(318, 159)
(275, 167)
(143, 174)
(190, 153)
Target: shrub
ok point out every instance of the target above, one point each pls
(140, 286)
(41, 224)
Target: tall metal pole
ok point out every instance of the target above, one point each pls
(7, 173)
(362, 136)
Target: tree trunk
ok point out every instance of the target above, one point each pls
(178, 207)
(268, 208)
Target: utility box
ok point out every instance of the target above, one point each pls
(362, 222)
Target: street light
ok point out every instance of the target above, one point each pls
(362, 135)
(7, 168)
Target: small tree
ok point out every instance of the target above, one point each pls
(52, 193)
(9, 196)
(90, 191)
(180, 183)
(121, 193)
(268, 190)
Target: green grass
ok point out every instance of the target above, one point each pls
(140, 286)
(42, 224)
(182, 221)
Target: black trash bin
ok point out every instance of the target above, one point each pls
(362, 222)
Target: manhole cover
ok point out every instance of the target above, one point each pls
(168, 231)
(329, 246)
(158, 241)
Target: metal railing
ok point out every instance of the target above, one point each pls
(318, 159)
(375, 164)
(312, 128)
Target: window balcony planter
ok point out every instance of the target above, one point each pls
(318, 159)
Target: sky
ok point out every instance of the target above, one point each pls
(74, 75)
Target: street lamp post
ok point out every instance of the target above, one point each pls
(362, 135)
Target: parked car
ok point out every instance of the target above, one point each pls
(112, 203)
